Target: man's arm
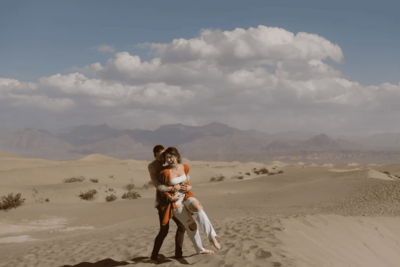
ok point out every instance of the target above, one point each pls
(154, 178)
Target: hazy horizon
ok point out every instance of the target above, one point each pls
(121, 127)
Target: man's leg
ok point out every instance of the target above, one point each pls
(161, 236)
(180, 234)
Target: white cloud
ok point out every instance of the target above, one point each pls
(256, 45)
(264, 78)
(43, 102)
(105, 48)
(106, 93)
(14, 86)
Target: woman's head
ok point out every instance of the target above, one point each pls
(171, 156)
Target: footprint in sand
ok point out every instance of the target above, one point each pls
(262, 254)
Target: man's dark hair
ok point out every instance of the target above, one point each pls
(157, 149)
(174, 152)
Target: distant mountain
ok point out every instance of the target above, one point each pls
(387, 141)
(217, 129)
(232, 143)
(320, 142)
(294, 136)
(316, 143)
(87, 134)
(214, 141)
(170, 135)
(29, 142)
(177, 134)
(279, 146)
(348, 145)
(120, 147)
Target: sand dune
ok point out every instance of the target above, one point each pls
(297, 215)
(7, 155)
(97, 157)
(332, 240)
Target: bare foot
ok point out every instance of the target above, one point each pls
(215, 243)
(207, 251)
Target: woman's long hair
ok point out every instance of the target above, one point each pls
(174, 152)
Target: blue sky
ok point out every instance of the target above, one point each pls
(40, 39)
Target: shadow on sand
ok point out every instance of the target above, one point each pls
(112, 263)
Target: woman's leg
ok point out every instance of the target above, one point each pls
(194, 206)
(191, 229)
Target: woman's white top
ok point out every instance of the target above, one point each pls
(178, 180)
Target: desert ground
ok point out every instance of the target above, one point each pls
(290, 215)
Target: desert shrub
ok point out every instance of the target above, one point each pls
(386, 172)
(237, 177)
(111, 197)
(111, 176)
(88, 195)
(47, 200)
(131, 195)
(280, 171)
(261, 171)
(94, 180)
(129, 186)
(11, 201)
(74, 179)
(148, 185)
(110, 190)
(217, 178)
(247, 173)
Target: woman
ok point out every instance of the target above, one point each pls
(176, 175)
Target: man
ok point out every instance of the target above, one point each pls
(155, 168)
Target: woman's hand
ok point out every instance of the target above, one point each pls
(177, 187)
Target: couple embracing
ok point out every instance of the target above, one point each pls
(175, 200)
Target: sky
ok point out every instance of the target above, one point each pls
(322, 66)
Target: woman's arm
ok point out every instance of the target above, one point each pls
(187, 187)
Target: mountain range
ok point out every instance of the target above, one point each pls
(214, 141)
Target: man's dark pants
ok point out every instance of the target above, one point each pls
(180, 233)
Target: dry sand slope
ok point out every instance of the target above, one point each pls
(298, 215)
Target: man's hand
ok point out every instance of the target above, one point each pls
(185, 188)
(177, 187)
(174, 198)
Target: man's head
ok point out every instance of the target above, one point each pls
(157, 151)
